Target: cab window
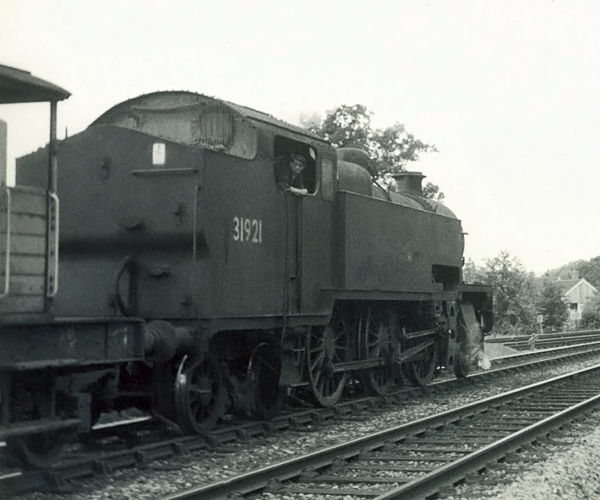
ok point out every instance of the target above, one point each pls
(295, 165)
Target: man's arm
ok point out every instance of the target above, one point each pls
(297, 191)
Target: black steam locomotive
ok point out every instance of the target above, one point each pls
(181, 274)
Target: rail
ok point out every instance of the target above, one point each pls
(448, 445)
(144, 452)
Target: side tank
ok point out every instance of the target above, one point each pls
(397, 242)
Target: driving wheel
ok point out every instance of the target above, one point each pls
(421, 370)
(327, 346)
(378, 344)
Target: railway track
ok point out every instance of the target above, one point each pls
(547, 340)
(418, 459)
(141, 442)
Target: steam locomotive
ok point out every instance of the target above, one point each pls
(164, 266)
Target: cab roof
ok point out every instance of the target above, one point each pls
(18, 86)
(179, 99)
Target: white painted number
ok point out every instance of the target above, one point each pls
(247, 230)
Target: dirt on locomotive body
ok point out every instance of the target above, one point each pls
(174, 263)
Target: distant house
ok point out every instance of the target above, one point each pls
(577, 292)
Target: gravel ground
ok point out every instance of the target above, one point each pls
(568, 474)
(161, 478)
(569, 470)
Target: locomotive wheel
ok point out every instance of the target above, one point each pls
(199, 394)
(38, 451)
(378, 344)
(421, 371)
(326, 346)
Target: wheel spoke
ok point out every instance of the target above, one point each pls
(377, 344)
(327, 346)
(318, 362)
(422, 370)
(341, 352)
(199, 394)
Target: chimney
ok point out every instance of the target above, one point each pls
(409, 183)
(574, 275)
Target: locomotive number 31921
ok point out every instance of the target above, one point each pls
(247, 230)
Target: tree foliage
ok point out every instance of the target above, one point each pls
(588, 269)
(551, 303)
(394, 147)
(514, 306)
(390, 148)
(517, 301)
(590, 317)
(513, 289)
(432, 191)
(347, 127)
(471, 273)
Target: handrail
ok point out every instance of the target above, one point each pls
(52, 294)
(7, 264)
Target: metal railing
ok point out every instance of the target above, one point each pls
(53, 279)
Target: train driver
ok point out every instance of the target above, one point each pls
(292, 180)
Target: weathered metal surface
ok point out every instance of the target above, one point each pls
(408, 243)
(69, 343)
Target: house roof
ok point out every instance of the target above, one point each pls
(567, 286)
(579, 283)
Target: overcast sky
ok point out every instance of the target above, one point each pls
(509, 91)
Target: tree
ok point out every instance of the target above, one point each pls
(390, 148)
(394, 147)
(590, 317)
(432, 191)
(347, 127)
(514, 306)
(551, 303)
(471, 273)
(588, 269)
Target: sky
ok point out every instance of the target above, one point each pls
(508, 91)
